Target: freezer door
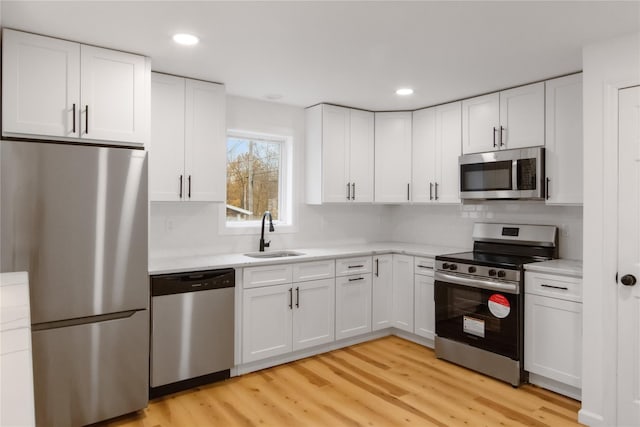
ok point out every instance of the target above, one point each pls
(91, 372)
(75, 218)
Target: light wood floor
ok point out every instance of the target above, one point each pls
(386, 382)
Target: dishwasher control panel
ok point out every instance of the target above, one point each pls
(168, 284)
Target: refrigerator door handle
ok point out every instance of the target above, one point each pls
(82, 320)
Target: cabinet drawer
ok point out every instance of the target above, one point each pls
(555, 286)
(356, 265)
(267, 275)
(423, 266)
(315, 270)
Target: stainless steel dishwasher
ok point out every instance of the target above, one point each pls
(192, 329)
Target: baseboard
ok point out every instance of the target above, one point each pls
(589, 418)
(555, 386)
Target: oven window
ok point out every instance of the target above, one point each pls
(527, 174)
(483, 318)
(486, 176)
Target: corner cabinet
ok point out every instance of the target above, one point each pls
(339, 159)
(564, 147)
(392, 157)
(437, 144)
(403, 292)
(382, 292)
(187, 159)
(512, 118)
(60, 90)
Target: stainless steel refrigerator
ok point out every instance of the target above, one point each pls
(75, 218)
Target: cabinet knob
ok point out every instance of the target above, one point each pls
(628, 280)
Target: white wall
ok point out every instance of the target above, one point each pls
(607, 66)
(177, 229)
(451, 225)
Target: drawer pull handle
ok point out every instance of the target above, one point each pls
(355, 266)
(555, 287)
(359, 278)
(425, 266)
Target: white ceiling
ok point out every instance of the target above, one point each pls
(349, 53)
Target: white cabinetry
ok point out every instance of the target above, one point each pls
(403, 292)
(513, 118)
(187, 158)
(437, 144)
(553, 332)
(60, 90)
(563, 149)
(353, 297)
(313, 313)
(382, 308)
(425, 317)
(340, 154)
(392, 157)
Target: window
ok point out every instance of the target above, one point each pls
(257, 179)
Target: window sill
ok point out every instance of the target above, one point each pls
(245, 230)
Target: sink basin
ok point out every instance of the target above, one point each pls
(274, 254)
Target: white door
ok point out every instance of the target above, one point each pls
(522, 116)
(403, 292)
(41, 85)
(423, 156)
(166, 157)
(392, 157)
(480, 123)
(313, 313)
(448, 149)
(113, 95)
(382, 292)
(266, 322)
(335, 161)
(629, 258)
(361, 143)
(425, 312)
(205, 142)
(353, 305)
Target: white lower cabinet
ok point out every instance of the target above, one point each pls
(382, 292)
(353, 305)
(403, 292)
(424, 304)
(313, 313)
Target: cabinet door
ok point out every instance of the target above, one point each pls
(403, 292)
(361, 144)
(392, 157)
(313, 313)
(448, 149)
(522, 116)
(40, 85)
(335, 160)
(480, 122)
(166, 151)
(266, 321)
(423, 156)
(563, 146)
(353, 305)
(114, 96)
(425, 314)
(382, 292)
(205, 142)
(553, 339)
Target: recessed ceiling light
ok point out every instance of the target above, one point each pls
(404, 91)
(185, 39)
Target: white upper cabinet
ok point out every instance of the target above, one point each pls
(340, 153)
(392, 157)
(563, 151)
(55, 89)
(437, 144)
(187, 159)
(512, 118)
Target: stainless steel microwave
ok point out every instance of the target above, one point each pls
(504, 174)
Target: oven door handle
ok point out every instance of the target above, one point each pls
(510, 288)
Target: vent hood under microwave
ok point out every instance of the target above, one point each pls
(505, 174)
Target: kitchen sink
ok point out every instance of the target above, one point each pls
(274, 254)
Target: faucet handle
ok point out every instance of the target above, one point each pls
(266, 244)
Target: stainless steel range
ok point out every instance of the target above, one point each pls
(479, 298)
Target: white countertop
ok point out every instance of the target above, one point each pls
(207, 262)
(566, 267)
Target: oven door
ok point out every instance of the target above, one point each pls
(489, 319)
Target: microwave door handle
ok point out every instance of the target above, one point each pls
(514, 175)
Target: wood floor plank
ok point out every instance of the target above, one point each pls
(385, 382)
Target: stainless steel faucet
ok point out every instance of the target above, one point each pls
(264, 244)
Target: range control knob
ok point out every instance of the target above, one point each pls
(492, 272)
(453, 267)
(445, 266)
(501, 273)
(472, 269)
